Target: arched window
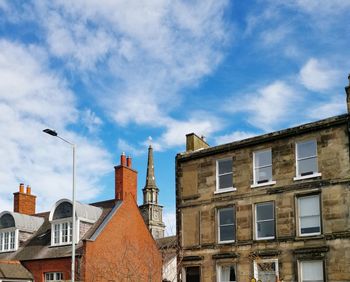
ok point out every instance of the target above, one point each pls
(61, 225)
(8, 233)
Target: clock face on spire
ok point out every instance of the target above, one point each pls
(155, 215)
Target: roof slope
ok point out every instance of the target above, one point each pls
(14, 270)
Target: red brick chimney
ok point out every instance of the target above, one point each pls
(125, 179)
(24, 202)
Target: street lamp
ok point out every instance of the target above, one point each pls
(54, 133)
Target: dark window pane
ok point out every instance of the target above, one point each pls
(307, 149)
(308, 230)
(7, 221)
(307, 166)
(263, 158)
(227, 233)
(225, 181)
(266, 229)
(226, 216)
(264, 211)
(63, 210)
(225, 166)
(193, 274)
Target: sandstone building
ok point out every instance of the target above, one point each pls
(273, 207)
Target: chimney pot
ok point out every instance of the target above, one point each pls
(123, 159)
(21, 188)
(29, 190)
(128, 161)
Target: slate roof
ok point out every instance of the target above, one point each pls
(14, 270)
(39, 245)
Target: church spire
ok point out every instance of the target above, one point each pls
(150, 179)
(150, 191)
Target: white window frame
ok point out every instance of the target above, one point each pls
(255, 266)
(299, 217)
(55, 274)
(300, 268)
(8, 231)
(223, 190)
(219, 268)
(315, 174)
(255, 182)
(233, 208)
(60, 222)
(256, 221)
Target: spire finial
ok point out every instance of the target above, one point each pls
(150, 141)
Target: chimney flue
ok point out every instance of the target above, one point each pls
(29, 190)
(128, 161)
(21, 188)
(123, 159)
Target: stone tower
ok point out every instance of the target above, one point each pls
(152, 212)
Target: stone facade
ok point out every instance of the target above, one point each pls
(287, 251)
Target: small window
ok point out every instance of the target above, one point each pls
(226, 225)
(53, 276)
(192, 274)
(262, 161)
(306, 157)
(226, 273)
(266, 270)
(62, 233)
(224, 175)
(8, 240)
(311, 271)
(309, 215)
(265, 221)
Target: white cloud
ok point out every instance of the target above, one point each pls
(322, 6)
(149, 51)
(90, 120)
(33, 98)
(267, 108)
(332, 107)
(234, 136)
(317, 75)
(128, 149)
(169, 218)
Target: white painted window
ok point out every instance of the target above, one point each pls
(262, 170)
(8, 240)
(226, 273)
(226, 225)
(224, 177)
(266, 270)
(306, 159)
(309, 215)
(311, 271)
(264, 221)
(53, 276)
(62, 232)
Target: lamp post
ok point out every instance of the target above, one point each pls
(54, 133)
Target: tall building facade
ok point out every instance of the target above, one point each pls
(273, 207)
(151, 211)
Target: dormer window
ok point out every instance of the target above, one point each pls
(62, 224)
(62, 232)
(8, 240)
(8, 234)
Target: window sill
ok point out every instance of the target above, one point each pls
(309, 236)
(7, 251)
(225, 190)
(307, 176)
(263, 184)
(264, 239)
(226, 242)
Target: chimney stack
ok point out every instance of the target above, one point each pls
(24, 202)
(194, 142)
(347, 90)
(125, 179)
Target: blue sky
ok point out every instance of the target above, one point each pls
(109, 74)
